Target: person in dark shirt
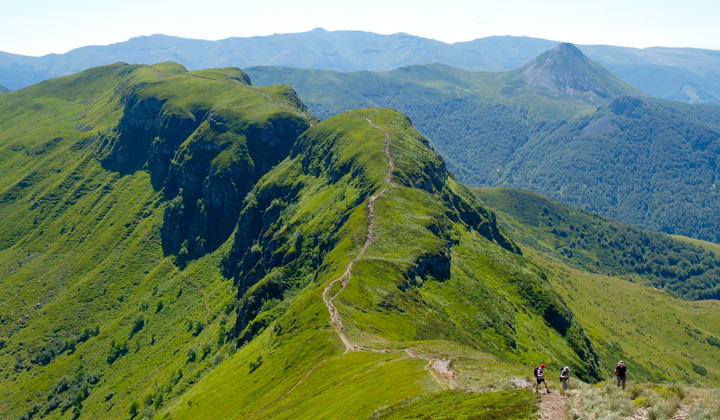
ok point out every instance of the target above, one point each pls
(621, 373)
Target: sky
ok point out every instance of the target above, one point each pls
(38, 27)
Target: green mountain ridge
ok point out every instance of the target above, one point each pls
(494, 130)
(188, 245)
(3, 89)
(87, 289)
(683, 74)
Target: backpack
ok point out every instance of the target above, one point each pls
(564, 372)
(536, 371)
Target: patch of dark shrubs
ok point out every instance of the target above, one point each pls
(68, 392)
(713, 341)
(700, 370)
(117, 350)
(137, 325)
(46, 354)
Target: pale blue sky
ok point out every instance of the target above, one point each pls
(37, 27)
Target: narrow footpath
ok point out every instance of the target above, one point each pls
(553, 406)
(440, 371)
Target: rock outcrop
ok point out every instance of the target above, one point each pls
(206, 154)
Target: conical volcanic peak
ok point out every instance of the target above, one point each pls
(566, 71)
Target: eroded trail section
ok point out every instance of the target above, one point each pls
(553, 407)
(391, 161)
(335, 317)
(439, 370)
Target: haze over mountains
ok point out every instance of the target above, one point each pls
(684, 74)
(561, 125)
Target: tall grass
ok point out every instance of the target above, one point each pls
(661, 402)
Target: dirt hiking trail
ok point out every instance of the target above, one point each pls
(439, 370)
(553, 406)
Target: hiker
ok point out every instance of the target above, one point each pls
(621, 373)
(540, 376)
(564, 376)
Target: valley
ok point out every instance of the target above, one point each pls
(571, 131)
(185, 244)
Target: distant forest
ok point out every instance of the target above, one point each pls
(600, 244)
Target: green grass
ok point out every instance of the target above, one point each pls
(459, 404)
(85, 247)
(708, 246)
(450, 315)
(230, 332)
(658, 336)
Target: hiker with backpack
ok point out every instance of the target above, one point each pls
(540, 376)
(621, 373)
(564, 377)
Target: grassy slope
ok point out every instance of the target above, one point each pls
(458, 315)
(382, 310)
(96, 253)
(85, 250)
(708, 246)
(657, 334)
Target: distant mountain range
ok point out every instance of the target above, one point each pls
(3, 89)
(684, 74)
(561, 125)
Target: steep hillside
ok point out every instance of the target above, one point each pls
(682, 74)
(598, 244)
(632, 161)
(579, 139)
(103, 176)
(385, 299)
(185, 245)
(590, 258)
(370, 262)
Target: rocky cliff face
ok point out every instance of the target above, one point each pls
(206, 156)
